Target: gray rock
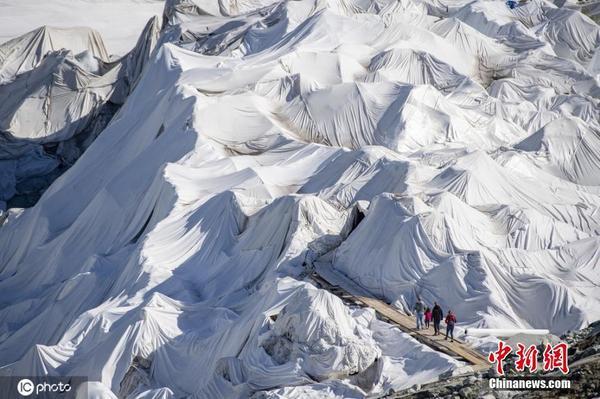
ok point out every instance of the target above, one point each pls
(467, 393)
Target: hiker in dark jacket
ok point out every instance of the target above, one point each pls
(450, 322)
(436, 315)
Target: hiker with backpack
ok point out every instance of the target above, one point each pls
(419, 308)
(450, 322)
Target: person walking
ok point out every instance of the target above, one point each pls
(436, 315)
(427, 317)
(450, 321)
(419, 308)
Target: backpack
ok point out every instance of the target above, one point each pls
(419, 306)
(450, 319)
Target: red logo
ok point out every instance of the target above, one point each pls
(498, 357)
(527, 358)
(554, 357)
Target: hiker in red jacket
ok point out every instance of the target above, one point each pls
(427, 317)
(450, 321)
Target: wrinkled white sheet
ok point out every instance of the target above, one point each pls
(182, 238)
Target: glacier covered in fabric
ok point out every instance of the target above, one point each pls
(447, 150)
(119, 22)
(58, 90)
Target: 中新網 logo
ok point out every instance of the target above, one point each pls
(554, 357)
